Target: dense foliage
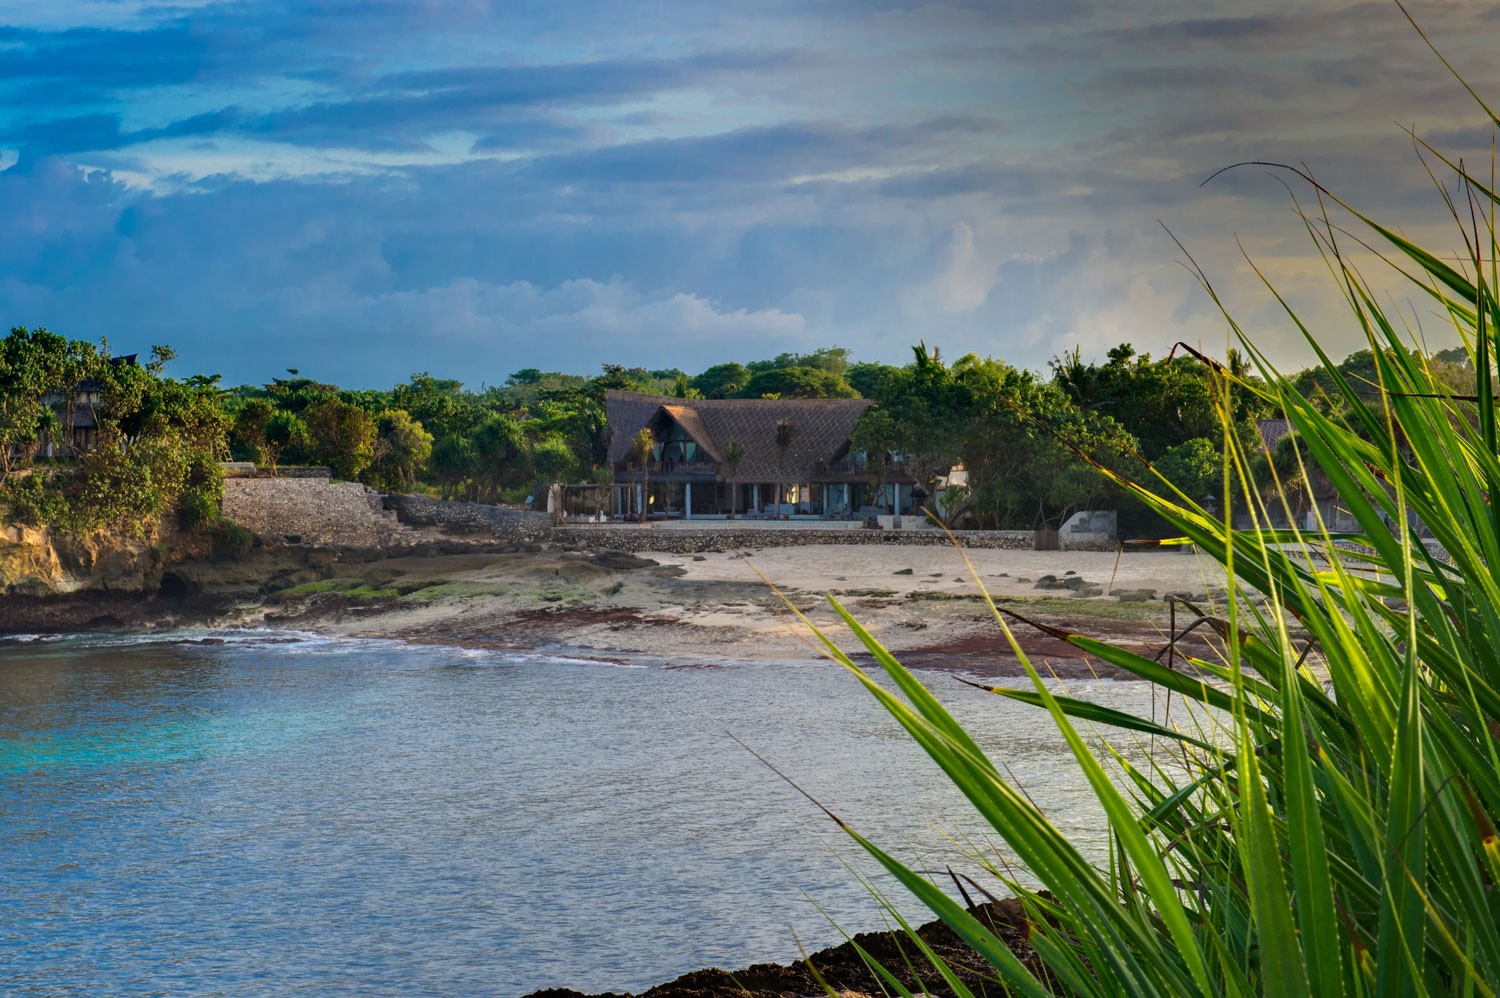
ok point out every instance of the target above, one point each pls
(1027, 442)
(89, 441)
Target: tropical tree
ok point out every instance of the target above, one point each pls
(404, 447)
(875, 436)
(797, 383)
(734, 453)
(38, 369)
(499, 452)
(49, 429)
(1284, 475)
(721, 381)
(286, 435)
(343, 436)
(454, 463)
(641, 447)
(551, 458)
(786, 432)
(249, 430)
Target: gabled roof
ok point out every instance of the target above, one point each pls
(688, 418)
(822, 428)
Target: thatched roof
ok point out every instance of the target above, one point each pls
(1271, 431)
(691, 421)
(821, 429)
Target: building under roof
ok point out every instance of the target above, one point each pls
(687, 473)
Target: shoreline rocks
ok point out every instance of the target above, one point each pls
(843, 969)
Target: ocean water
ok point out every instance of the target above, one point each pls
(253, 813)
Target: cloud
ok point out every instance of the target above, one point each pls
(361, 188)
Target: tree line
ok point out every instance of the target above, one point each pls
(1031, 443)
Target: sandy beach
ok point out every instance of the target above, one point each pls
(698, 610)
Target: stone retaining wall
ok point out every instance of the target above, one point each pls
(471, 518)
(248, 469)
(313, 511)
(345, 514)
(681, 541)
(512, 525)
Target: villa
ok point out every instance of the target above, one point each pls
(688, 473)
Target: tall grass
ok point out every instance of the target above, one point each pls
(1329, 824)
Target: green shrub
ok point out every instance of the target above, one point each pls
(229, 538)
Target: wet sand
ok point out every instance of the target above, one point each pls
(924, 603)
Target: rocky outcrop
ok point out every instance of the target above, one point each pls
(35, 561)
(845, 969)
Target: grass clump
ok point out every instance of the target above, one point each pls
(356, 588)
(1327, 825)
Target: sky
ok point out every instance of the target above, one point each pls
(362, 190)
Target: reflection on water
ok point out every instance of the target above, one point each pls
(265, 814)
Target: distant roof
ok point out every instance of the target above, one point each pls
(822, 428)
(95, 385)
(1272, 430)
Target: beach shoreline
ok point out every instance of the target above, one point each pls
(923, 603)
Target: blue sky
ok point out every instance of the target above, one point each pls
(366, 189)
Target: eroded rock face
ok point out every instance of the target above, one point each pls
(38, 562)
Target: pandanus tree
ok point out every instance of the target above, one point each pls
(1319, 815)
(733, 455)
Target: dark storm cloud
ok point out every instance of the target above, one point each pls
(681, 183)
(111, 59)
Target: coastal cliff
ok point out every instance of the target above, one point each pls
(39, 562)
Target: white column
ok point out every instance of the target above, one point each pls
(640, 499)
(687, 500)
(755, 496)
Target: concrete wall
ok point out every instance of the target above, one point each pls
(1093, 530)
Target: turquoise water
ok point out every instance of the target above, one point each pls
(275, 812)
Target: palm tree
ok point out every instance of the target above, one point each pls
(641, 446)
(786, 432)
(733, 455)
